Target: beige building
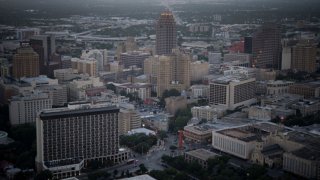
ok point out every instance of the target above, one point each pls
(260, 113)
(77, 88)
(200, 91)
(307, 106)
(129, 45)
(69, 138)
(200, 156)
(232, 92)
(85, 66)
(308, 90)
(199, 69)
(174, 103)
(128, 119)
(198, 133)
(174, 72)
(207, 112)
(25, 63)
(278, 87)
(304, 56)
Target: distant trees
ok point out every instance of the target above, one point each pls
(218, 168)
(139, 143)
(298, 120)
(180, 120)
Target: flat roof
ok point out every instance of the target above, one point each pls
(84, 111)
(202, 154)
(141, 177)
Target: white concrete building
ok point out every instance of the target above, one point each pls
(232, 92)
(214, 57)
(260, 113)
(200, 91)
(23, 109)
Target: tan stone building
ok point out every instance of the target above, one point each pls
(85, 66)
(308, 90)
(174, 72)
(304, 56)
(25, 63)
(200, 156)
(128, 119)
(199, 69)
(174, 103)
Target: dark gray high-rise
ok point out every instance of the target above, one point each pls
(266, 47)
(166, 34)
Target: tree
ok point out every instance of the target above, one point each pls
(173, 147)
(162, 135)
(111, 87)
(44, 175)
(143, 168)
(115, 172)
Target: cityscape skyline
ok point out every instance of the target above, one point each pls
(160, 89)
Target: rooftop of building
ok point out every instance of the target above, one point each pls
(140, 177)
(312, 84)
(83, 110)
(202, 154)
(252, 132)
(311, 142)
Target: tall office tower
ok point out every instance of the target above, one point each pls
(69, 138)
(174, 72)
(248, 45)
(133, 58)
(266, 47)
(304, 56)
(45, 46)
(25, 63)
(166, 34)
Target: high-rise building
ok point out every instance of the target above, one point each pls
(232, 92)
(166, 34)
(128, 119)
(45, 46)
(174, 72)
(248, 45)
(304, 56)
(25, 63)
(24, 108)
(266, 47)
(69, 138)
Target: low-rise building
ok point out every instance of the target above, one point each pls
(207, 112)
(308, 90)
(159, 122)
(307, 106)
(128, 120)
(174, 103)
(198, 133)
(200, 156)
(200, 91)
(278, 87)
(260, 113)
